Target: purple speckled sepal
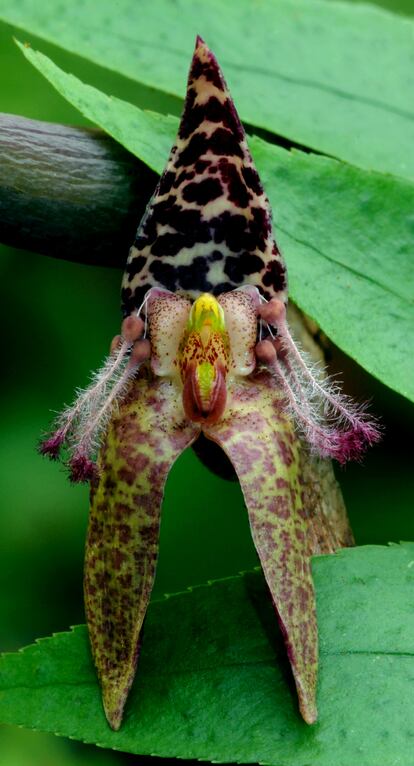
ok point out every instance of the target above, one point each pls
(143, 441)
(260, 441)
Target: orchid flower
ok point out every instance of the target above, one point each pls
(205, 349)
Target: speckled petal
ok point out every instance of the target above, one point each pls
(260, 441)
(143, 441)
(240, 313)
(168, 317)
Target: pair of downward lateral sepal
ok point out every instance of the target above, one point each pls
(284, 488)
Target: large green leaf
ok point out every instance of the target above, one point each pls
(213, 680)
(334, 77)
(347, 234)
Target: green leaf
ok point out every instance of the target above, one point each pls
(330, 76)
(213, 680)
(346, 233)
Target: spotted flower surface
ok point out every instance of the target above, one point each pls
(206, 349)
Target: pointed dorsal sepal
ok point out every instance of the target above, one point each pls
(208, 228)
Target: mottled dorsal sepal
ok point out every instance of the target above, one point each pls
(208, 227)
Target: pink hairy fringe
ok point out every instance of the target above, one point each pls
(332, 424)
(79, 428)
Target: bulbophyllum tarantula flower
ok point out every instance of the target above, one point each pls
(205, 348)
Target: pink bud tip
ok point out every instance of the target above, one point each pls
(132, 328)
(82, 469)
(116, 344)
(265, 351)
(51, 447)
(141, 351)
(273, 312)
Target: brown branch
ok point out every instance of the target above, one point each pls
(69, 193)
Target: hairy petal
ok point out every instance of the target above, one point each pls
(321, 494)
(80, 427)
(143, 441)
(331, 422)
(261, 442)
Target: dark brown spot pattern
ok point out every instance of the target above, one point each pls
(209, 200)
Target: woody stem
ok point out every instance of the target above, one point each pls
(70, 193)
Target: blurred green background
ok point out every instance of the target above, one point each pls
(58, 319)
